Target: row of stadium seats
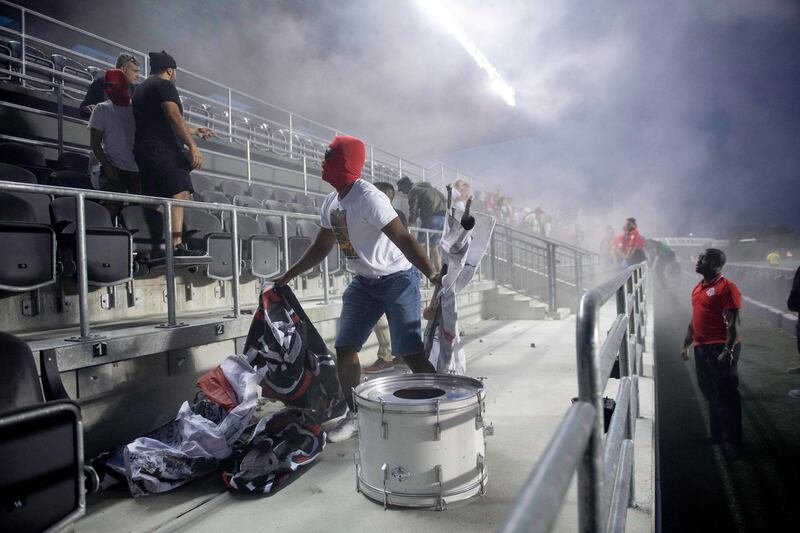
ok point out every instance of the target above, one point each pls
(75, 77)
(41, 231)
(25, 164)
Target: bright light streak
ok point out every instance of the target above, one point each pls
(440, 14)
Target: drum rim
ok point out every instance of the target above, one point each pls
(421, 407)
(481, 481)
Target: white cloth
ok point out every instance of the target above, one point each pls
(357, 220)
(116, 123)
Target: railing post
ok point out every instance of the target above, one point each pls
(510, 257)
(285, 232)
(326, 298)
(235, 259)
(169, 254)
(578, 274)
(305, 176)
(493, 256)
(591, 515)
(60, 107)
(552, 283)
(400, 166)
(83, 277)
(291, 137)
(230, 116)
(23, 41)
(249, 167)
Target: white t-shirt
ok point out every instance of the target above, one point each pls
(357, 221)
(116, 123)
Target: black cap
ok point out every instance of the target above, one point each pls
(160, 61)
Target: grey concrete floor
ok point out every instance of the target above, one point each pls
(529, 390)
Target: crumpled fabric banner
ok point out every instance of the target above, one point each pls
(462, 251)
(274, 449)
(200, 436)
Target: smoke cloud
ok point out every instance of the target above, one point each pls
(684, 114)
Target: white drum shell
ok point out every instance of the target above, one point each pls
(431, 460)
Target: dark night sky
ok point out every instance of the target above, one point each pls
(683, 113)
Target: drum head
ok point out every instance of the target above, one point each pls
(418, 392)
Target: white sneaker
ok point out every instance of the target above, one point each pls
(794, 393)
(345, 429)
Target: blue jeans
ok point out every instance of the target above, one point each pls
(432, 222)
(365, 300)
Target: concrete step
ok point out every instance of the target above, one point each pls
(505, 304)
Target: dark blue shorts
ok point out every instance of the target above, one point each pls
(365, 300)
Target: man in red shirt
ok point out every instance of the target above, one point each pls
(714, 330)
(631, 244)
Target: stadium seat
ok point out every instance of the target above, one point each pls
(304, 199)
(109, 250)
(272, 224)
(41, 450)
(212, 197)
(197, 113)
(33, 261)
(73, 88)
(261, 251)
(70, 178)
(5, 63)
(26, 157)
(283, 196)
(234, 188)
(203, 231)
(73, 161)
(37, 66)
(274, 205)
(16, 174)
(262, 192)
(247, 201)
(147, 226)
(201, 183)
(294, 208)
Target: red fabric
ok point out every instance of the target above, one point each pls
(709, 302)
(216, 387)
(343, 161)
(618, 242)
(117, 87)
(632, 240)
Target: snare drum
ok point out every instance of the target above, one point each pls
(421, 440)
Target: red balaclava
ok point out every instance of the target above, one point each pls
(117, 87)
(343, 161)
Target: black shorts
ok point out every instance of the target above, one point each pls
(164, 170)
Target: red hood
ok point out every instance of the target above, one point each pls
(344, 161)
(117, 87)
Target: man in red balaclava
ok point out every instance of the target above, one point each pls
(382, 254)
(111, 129)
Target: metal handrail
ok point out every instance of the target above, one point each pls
(604, 464)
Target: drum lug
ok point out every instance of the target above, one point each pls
(481, 463)
(385, 470)
(479, 416)
(437, 431)
(384, 425)
(439, 479)
(353, 394)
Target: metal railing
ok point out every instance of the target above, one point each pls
(226, 105)
(540, 266)
(604, 463)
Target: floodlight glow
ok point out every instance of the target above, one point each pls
(439, 13)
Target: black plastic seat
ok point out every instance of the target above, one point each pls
(16, 174)
(39, 202)
(246, 201)
(234, 188)
(261, 192)
(38, 65)
(70, 178)
(261, 251)
(147, 226)
(274, 205)
(304, 199)
(32, 264)
(76, 78)
(26, 157)
(203, 231)
(41, 452)
(73, 161)
(5, 64)
(213, 197)
(201, 183)
(283, 196)
(271, 224)
(109, 250)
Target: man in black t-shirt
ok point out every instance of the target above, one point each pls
(96, 93)
(160, 136)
